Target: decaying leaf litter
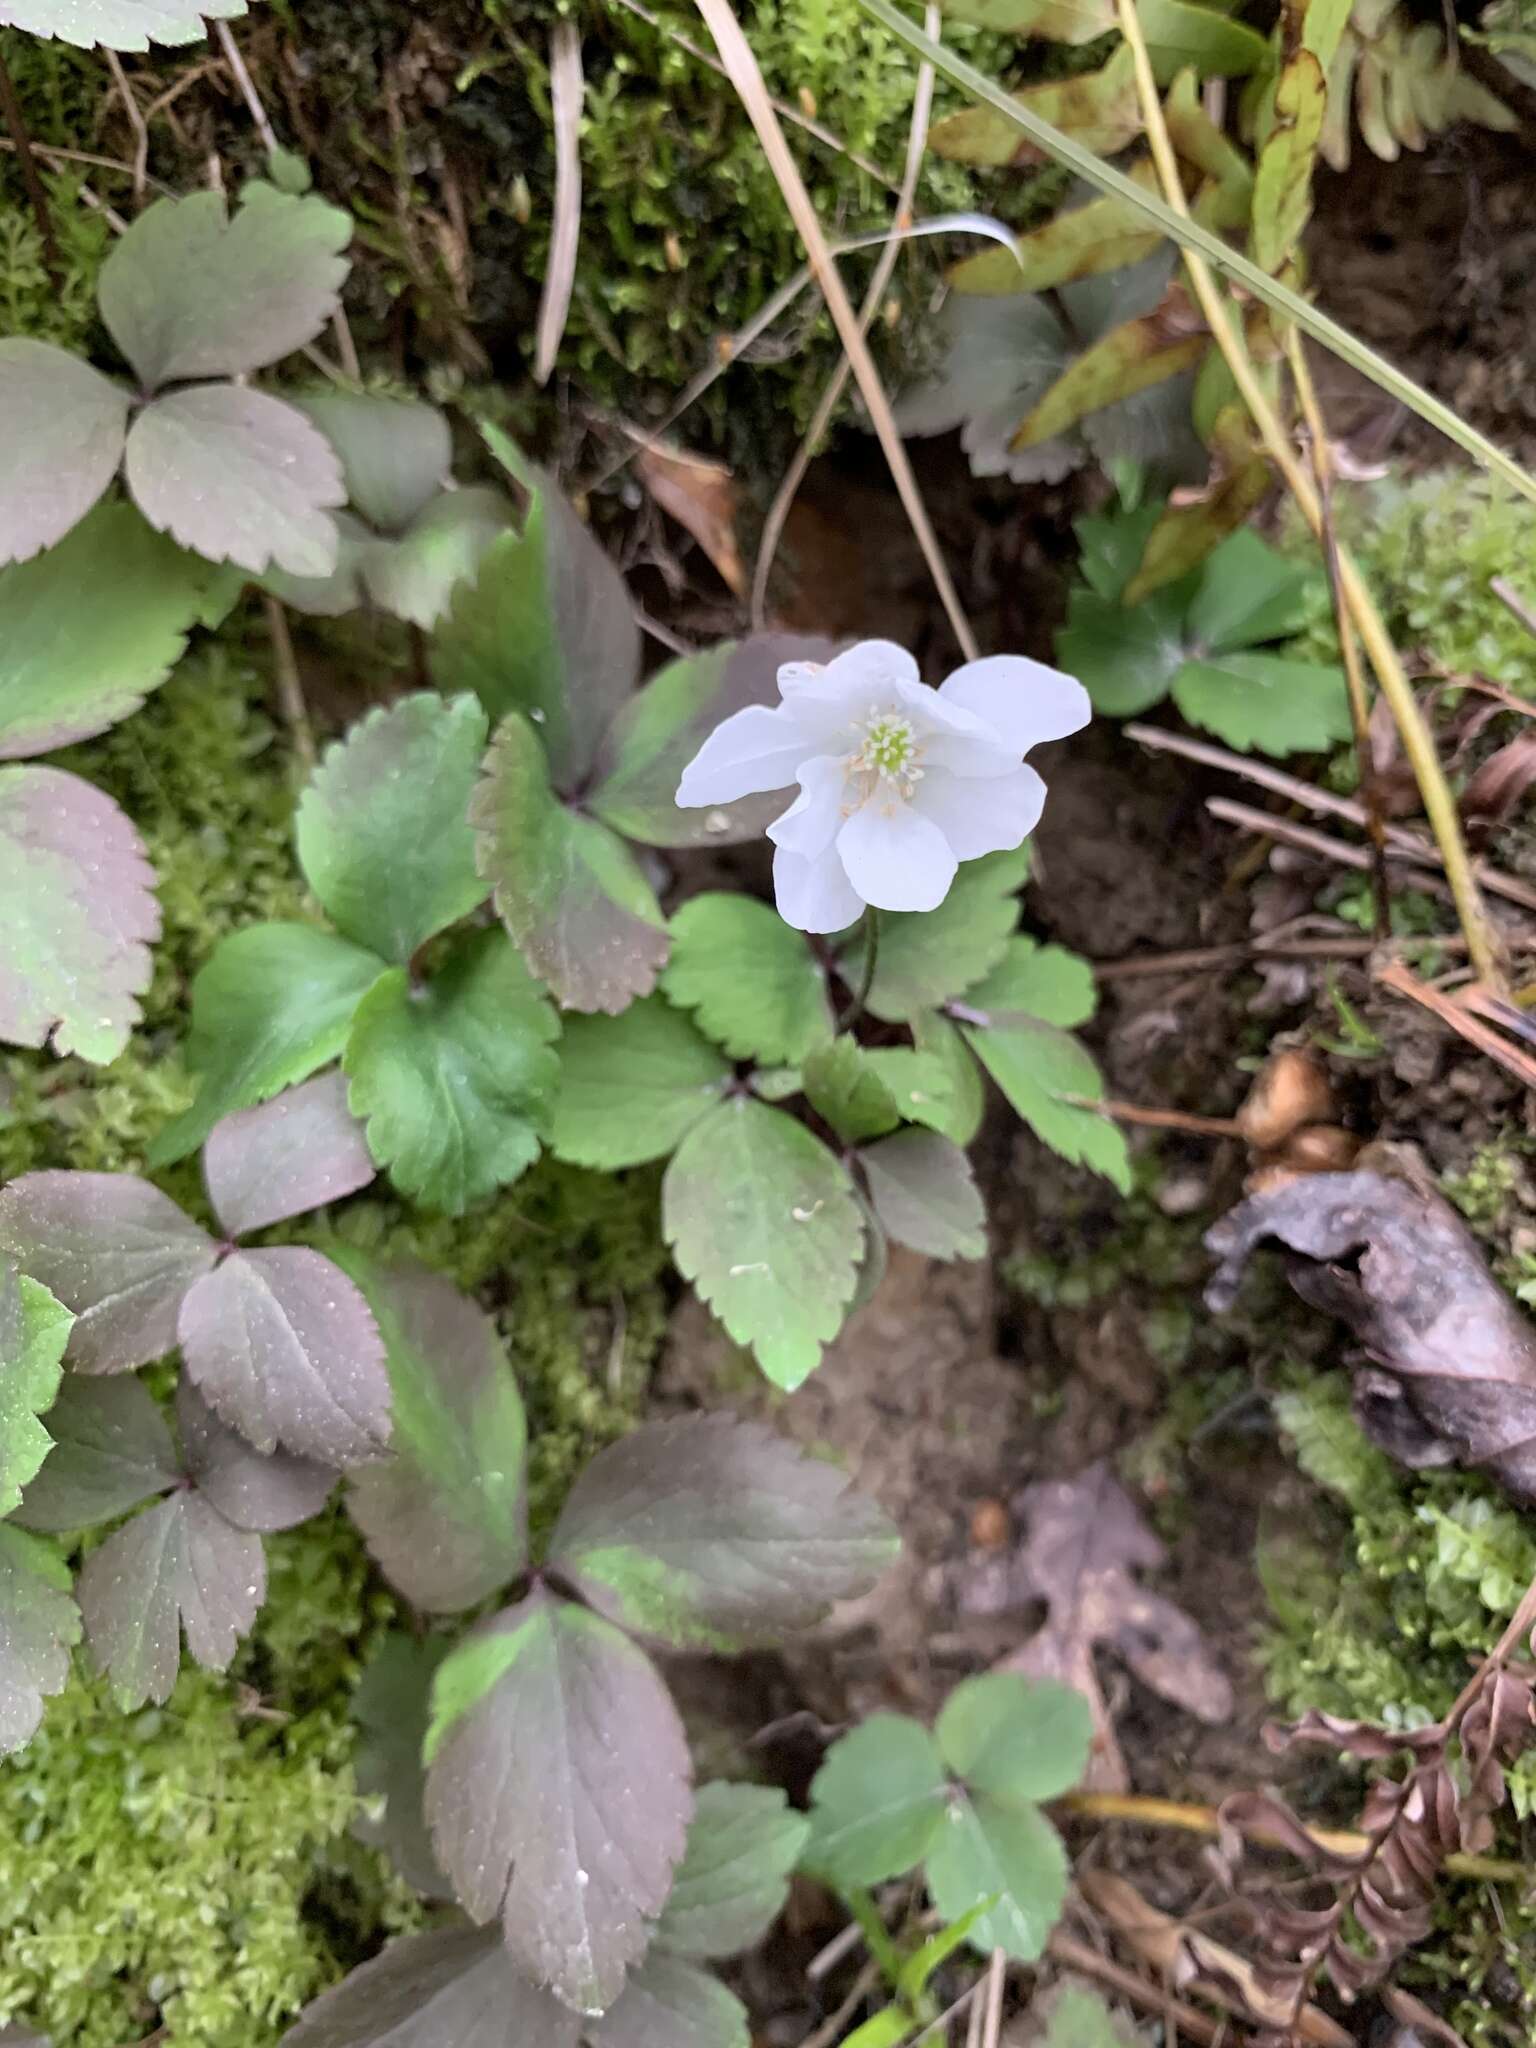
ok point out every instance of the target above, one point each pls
(1058, 1518)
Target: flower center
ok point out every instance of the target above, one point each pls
(891, 752)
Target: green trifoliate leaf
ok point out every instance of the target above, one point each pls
(38, 1625)
(415, 576)
(91, 627)
(273, 1005)
(1249, 592)
(1113, 544)
(454, 1077)
(660, 729)
(925, 1195)
(632, 1086)
(1076, 2017)
(192, 291)
(1259, 700)
(712, 1533)
(383, 828)
(752, 982)
(877, 1802)
(76, 915)
(34, 1328)
(568, 890)
(395, 453)
(743, 1843)
(1031, 980)
(965, 1102)
(446, 1513)
(66, 425)
(1036, 1066)
(117, 24)
(926, 957)
(985, 1849)
(558, 1792)
(1125, 656)
(765, 1222)
(667, 2003)
(545, 629)
(863, 1093)
(1019, 1740)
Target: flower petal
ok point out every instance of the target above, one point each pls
(896, 858)
(871, 665)
(952, 737)
(980, 815)
(811, 823)
(828, 703)
(1025, 702)
(814, 895)
(751, 751)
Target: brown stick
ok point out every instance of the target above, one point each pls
(290, 687)
(1401, 981)
(1399, 838)
(1514, 603)
(1197, 958)
(31, 177)
(1305, 837)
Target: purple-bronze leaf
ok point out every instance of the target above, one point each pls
(667, 2003)
(76, 915)
(189, 292)
(558, 1792)
(717, 1533)
(296, 1152)
(113, 1249)
(452, 1987)
(38, 1623)
(64, 439)
(391, 1707)
(395, 453)
(284, 1348)
(261, 1493)
(177, 1565)
(445, 1514)
(111, 1450)
(238, 476)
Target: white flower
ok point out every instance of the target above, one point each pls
(899, 783)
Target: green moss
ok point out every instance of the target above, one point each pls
(193, 1863)
(1430, 550)
(1380, 1613)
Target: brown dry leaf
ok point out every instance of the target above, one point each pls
(701, 496)
(1085, 1539)
(1193, 1961)
(1499, 785)
(1450, 1371)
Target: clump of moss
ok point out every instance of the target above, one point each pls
(1379, 1616)
(1430, 550)
(194, 1861)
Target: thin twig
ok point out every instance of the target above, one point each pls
(97, 204)
(971, 1997)
(1305, 837)
(831, 2028)
(1418, 742)
(1349, 646)
(51, 155)
(31, 177)
(1514, 603)
(1077, 1955)
(1204, 1820)
(290, 687)
(997, 1974)
(780, 107)
(1399, 838)
(794, 476)
(1397, 977)
(136, 121)
(567, 89)
(736, 53)
(1158, 1119)
(247, 85)
(1196, 959)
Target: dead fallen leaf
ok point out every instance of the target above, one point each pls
(701, 496)
(1498, 786)
(1193, 1961)
(1450, 1372)
(1084, 1540)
